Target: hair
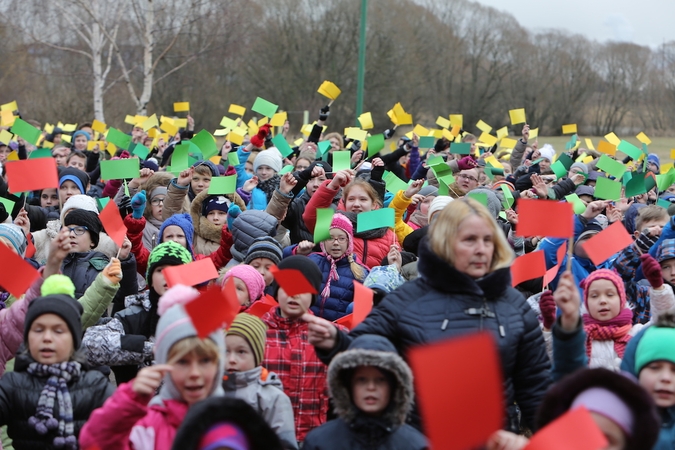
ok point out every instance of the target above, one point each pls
(203, 348)
(59, 147)
(203, 170)
(367, 188)
(335, 135)
(84, 125)
(306, 155)
(649, 213)
(469, 137)
(156, 180)
(356, 268)
(76, 153)
(446, 227)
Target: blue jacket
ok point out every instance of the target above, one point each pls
(569, 350)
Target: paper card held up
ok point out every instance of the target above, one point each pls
(613, 138)
(528, 267)
(16, 275)
(237, 109)
(191, 274)
(642, 137)
(213, 309)
(559, 216)
(609, 241)
(262, 106)
(181, 106)
(484, 127)
(443, 122)
(575, 429)
(378, 218)
(517, 116)
(292, 281)
(329, 90)
(363, 303)
(366, 121)
(569, 128)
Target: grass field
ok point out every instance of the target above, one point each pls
(660, 145)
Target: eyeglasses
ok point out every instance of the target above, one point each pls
(79, 231)
(467, 177)
(157, 201)
(340, 239)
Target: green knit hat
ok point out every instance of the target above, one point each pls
(657, 344)
(167, 253)
(253, 331)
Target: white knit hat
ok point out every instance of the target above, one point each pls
(79, 201)
(547, 151)
(270, 157)
(438, 204)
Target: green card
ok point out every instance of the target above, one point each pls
(9, 204)
(27, 131)
(204, 140)
(179, 158)
(559, 169)
(502, 214)
(102, 202)
(427, 141)
(665, 180)
(663, 203)
(322, 147)
(629, 149)
(281, 144)
(460, 148)
(611, 166)
(566, 160)
(443, 188)
(341, 160)
(118, 169)
(121, 140)
(223, 185)
(262, 106)
(141, 151)
(606, 189)
(636, 186)
(126, 189)
(378, 218)
(627, 177)
(324, 218)
(576, 202)
(394, 183)
(286, 169)
(537, 161)
(650, 182)
(375, 144)
(508, 197)
(436, 160)
(233, 159)
(40, 153)
(447, 178)
(480, 197)
(492, 171)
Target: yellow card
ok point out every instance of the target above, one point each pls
(235, 138)
(69, 127)
(589, 144)
(569, 128)
(366, 121)
(252, 127)
(455, 130)
(606, 147)
(437, 134)
(298, 141)
(307, 129)
(581, 157)
(448, 135)
(181, 106)
(66, 137)
(672, 150)
(98, 126)
(642, 137)
(488, 139)
(47, 144)
(138, 120)
(150, 122)
(11, 106)
(91, 145)
(49, 128)
(484, 127)
(502, 132)
(111, 149)
(279, 119)
(613, 138)
(443, 122)
(517, 116)
(131, 120)
(153, 133)
(508, 143)
(392, 146)
(534, 133)
(180, 123)
(456, 120)
(13, 156)
(237, 109)
(328, 89)
(215, 159)
(169, 128)
(665, 168)
(400, 116)
(263, 121)
(420, 130)
(5, 136)
(357, 134)
(223, 132)
(7, 118)
(493, 162)
(226, 122)
(587, 159)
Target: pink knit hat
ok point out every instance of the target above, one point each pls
(251, 278)
(605, 274)
(341, 222)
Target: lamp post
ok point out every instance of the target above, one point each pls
(362, 60)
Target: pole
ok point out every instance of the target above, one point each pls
(362, 60)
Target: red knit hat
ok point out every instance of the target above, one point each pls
(605, 274)
(341, 222)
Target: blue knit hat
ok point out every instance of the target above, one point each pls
(212, 167)
(81, 133)
(654, 159)
(184, 221)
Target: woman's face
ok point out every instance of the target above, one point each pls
(80, 143)
(358, 200)
(49, 197)
(157, 205)
(50, 340)
(176, 234)
(334, 143)
(473, 247)
(77, 162)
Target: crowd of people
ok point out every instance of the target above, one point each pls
(101, 353)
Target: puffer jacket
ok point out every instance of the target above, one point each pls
(355, 430)
(444, 303)
(83, 268)
(207, 235)
(248, 226)
(19, 394)
(265, 393)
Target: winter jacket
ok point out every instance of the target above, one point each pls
(517, 154)
(248, 226)
(207, 235)
(19, 394)
(176, 200)
(370, 246)
(444, 303)
(265, 393)
(82, 268)
(42, 238)
(637, 293)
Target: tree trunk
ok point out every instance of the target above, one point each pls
(148, 72)
(97, 53)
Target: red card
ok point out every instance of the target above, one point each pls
(363, 303)
(262, 306)
(528, 267)
(545, 218)
(612, 239)
(16, 275)
(575, 429)
(292, 281)
(345, 321)
(468, 396)
(112, 223)
(32, 174)
(190, 274)
(214, 308)
(553, 271)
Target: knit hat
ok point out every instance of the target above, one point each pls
(438, 204)
(80, 178)
(159, 190)
(264, 247)
(547, 151)
(81, 133)
(79, 201)
(224, 435)
(605, 274)
(167, 253)
(494, 205)
(665, 250)
(606, 403)
(215, 203)
(429, 190)
(307, 267)
(324, 165)
(150, 163)
(656, 344)
(253, 331)
(205, 162)
(386, 278)
(592, 228)
(87, 219)
(585, 190)
(251, 278)
(583, 167)
(64, 306)
(14, 234)
(184, 221)
(270, 158)
(654, 159)
(341, 222)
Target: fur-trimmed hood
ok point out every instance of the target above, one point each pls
(204, 228)
(377, 351)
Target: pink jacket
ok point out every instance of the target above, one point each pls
(127, 422)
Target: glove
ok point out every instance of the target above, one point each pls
(547, 307)
(651, 270)
(124, 205)
(466, 163)
(232, 213)
(324, 113)
(645, 241)
(259, 139)
(113, 271)
(138, 205)
(388, 133)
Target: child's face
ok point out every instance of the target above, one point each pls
(49, 340)
(265, 173)
(176, 234)
(358, 200)
(263, 265)
(293, 307)
(613, 432)
(248, 167)
(217, 217)
(77, 162)
(603, 300)
(80, 239)
(157, 205)
(424, 206)
(337, 245)
(658, 379)
(668, 270)
(242, 292)
(158, 281)
(49, 197)
(370, 390)
(80, 143)
(194, 376)
(67, 190)
(200, 182)
(238, 355)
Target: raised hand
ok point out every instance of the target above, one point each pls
(341, 179)
(250, 184)
(567, 299)
(413, 189)
(185, 177)
(322, 333)
(304, 248)
(150, 378)
(287, 183)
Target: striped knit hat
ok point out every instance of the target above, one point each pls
(252, 330)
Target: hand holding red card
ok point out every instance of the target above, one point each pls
(190, 274)
(260, 307)
(113, 224)
(363, 303)
(16, 275)
(214, 308)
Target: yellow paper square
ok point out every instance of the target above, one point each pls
(448, 135)
(7, 118)
(502, 132)
(98, 126)
(665, 168)
(357, 134)
(613, 138)
(400, 115)
(437, 134)
(180, 123)
(131, 120)
(235, 138)
(329, 89)
(494, 162)
(443, 122)
(13, 156)
(91, 145)
(252, 127)
(5, 136)
(237, 109)
(69, 127)
(181, 106)
(169, 128)
(66, 137)
(223, 132)
(262, 121)
(111, 149)
(366, 121)
(138, 120)
(153, 132)
(47, 144)
(672, 150)
(279, 119)
(517, 116)
(150, 122)
(298, 141)
(226, 122)
(589, 144)
(606, 147)
(642, 137)
(455, 130)
(11, 106)
(420, 130)
(508, 143)
(456, 120)
(49, 128)
(581, 157)
(587, 159)
(306, 129)
(569, 128)
(487, 138)
(484, 127)
(534, 133)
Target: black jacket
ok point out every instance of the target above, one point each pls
(415, 313)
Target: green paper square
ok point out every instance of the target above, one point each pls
(537, 161)
(436, 160)
(286, 169)
(559, 169)
(27, 131)
(9, 204)
(102, 202)
(443, 188)
(663, 203)
(375, 144)
(119, 169)
(627, 177)
(508, 197)
(636, 185)
(141, 151)
(40, 153)
(576, 202)
(394, 183)
(427, 142)
(502, 214)
(480, 197)
(121, 140)
(223, 185)
(262, 106)
(323, 147)
(281, 144)
(447, 178)
(383, 217)
(611, 166)
(341, 160)
(566, 160)
(179, 158)
(233, 159)
(460, 148)
(206, 144)
(324, 218)
(606, 189)
(629, 149)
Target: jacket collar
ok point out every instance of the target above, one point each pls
(274, 320)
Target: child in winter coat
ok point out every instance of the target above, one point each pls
(249, 283)
(51, 394)
(246, 379)
(419, 199)
(257, 190)
(188, 369)
(372, 389)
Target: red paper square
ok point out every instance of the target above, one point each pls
(214, 308)
(190, 274)
(528, 267)
(113, 224)
(363, 303)
(573, 430)
(32, 174)
(545, 218)
(292, 281)
(609, 241)
(16, 275)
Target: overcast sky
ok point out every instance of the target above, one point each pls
(644, 22)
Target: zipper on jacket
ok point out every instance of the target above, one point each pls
(483, 313)
(154, 240)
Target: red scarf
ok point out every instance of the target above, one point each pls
(615, 329)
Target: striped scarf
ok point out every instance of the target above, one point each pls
(616, 330)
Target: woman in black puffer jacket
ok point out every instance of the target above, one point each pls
(464, 286)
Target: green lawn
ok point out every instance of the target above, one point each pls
(660, 145)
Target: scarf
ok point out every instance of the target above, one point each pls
(616, 329)
(419, 219)
(332, 275)
(56, 389)
(269, 186)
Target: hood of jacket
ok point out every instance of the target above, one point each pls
(239, 380)
(376, 351)
(203, 227)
